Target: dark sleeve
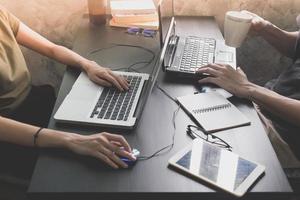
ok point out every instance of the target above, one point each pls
(297, 48)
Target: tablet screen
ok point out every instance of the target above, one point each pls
(225, 168)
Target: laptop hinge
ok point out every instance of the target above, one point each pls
(171, 51)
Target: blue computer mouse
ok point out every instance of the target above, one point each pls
(129, 162)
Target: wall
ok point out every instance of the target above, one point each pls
(58, 20)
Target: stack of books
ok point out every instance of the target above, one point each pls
(134, 13)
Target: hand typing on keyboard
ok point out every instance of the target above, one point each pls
(231, 80)
(116, 105)
(104, 76)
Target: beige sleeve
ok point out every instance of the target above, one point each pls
(13, 21)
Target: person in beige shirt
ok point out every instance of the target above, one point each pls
(15, 89)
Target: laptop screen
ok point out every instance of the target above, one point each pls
(166, 23)
(166, 13)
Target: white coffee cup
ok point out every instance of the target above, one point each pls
(236, 27)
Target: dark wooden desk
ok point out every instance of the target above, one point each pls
(62, 173)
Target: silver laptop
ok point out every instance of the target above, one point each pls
(185, 54)
(89, 103)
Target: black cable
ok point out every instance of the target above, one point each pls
(166, 93)
(99, 49)
(168, 147)
(140, 62)
(130, 67)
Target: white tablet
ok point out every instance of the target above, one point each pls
(218, 166)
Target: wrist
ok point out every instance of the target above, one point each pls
(85, 64)
(251, 88)
(70, 140)
(54, 139)
(267, 27)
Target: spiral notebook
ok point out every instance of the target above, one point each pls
(213, 111)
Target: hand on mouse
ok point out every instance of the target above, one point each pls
(104, 146)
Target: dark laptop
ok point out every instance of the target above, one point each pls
(184, 55)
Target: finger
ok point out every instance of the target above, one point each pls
(120, 151)
(214, 66)
(229, 67)
(119, 138)
(241, 71)
(121, 78)
(127, 155)
(116, 143)
(105, 159)
(126, 82)
(114, 148)
(256, 20)
(207, 80)
(122, 81)
(249, 13)
(112, 156)
(102, 82)
(209, 70)
(112, 80)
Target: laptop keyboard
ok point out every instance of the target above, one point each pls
(114, 104)
(197, 52)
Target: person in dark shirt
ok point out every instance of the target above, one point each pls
(278, 102)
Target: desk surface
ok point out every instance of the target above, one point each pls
(58, 172)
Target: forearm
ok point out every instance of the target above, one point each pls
(282, 40)
(23, 134)
(31, 39)
(286, 108)
(68, 57)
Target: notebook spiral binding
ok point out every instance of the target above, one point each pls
(212, 108)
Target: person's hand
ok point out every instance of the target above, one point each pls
(257, 23)
(104, 76)
(104, 146)
(234, 81)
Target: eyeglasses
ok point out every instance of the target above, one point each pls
(198, 132)
(140, 31)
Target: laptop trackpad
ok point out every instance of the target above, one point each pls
(85, 92)
(224, 57)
